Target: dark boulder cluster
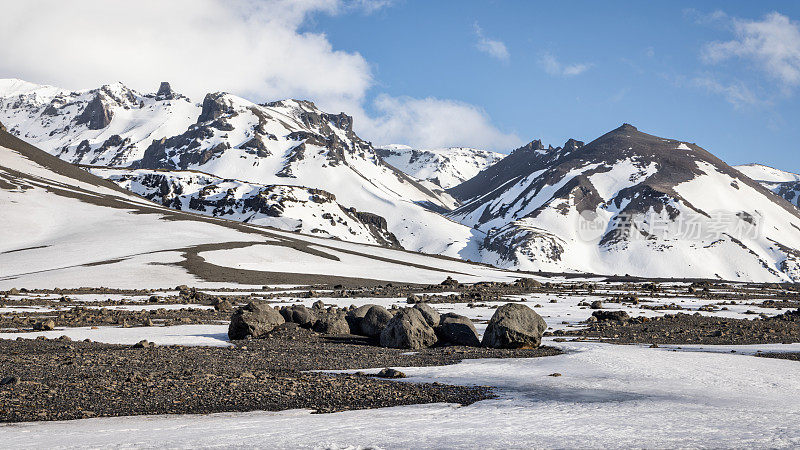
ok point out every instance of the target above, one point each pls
(417, 327)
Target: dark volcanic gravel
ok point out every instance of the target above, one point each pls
(60, 379)
(789, 356)
(695, 329)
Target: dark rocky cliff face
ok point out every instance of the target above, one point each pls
(97, 114)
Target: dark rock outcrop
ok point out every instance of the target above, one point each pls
(165, 91)
(97, 114)
(214, 107)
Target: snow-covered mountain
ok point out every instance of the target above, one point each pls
(288, 143)
(785, 184)
(295, 208)
(65, 227)
(112, 125)
(633, 203)
(446, 167)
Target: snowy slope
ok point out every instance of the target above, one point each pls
(630, 203)
(785, 184)
(292, 208)
(760, 172)
(446, 167)
(64, 227)
(290, 143)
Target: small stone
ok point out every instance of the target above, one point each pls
(12, 380)
(556, 374)
(47, 325)
(143, 344)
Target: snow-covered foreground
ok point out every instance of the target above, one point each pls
(608, 396)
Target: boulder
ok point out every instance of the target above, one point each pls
(46, 325)
(430, 314)
(454, 329)
(618, 316)
(528, 283)
(408, 329)
(514, 326)
(355, 316)
(303, 316)
(299, 314)
(449, 281)
(390, 373)
(143, 344)
(318, 305)
(332, 321)
(254, 320)
(375, 321)
(597, 304)
(221, 304)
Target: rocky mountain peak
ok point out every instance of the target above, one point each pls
(341, 120)
(572, 145)
(532, 146)
(214, 106)
(165, 91)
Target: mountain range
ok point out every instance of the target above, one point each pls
(626, 203)
(65, 227)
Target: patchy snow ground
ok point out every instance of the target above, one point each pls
(608, 396)
(207, 335)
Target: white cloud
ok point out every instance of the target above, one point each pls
(253, 48)
(773, 43)
(431, 122)
(494, 48)
(553, 67)
(368, 6)
(250, 47)
(735, 93)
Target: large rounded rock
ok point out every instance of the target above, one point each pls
(430, 314)
(454, 329)
(332, 321)
(355, 316)
(514, 326)
(408, 329)
(375, 321)
(299, 314)
(255, 320)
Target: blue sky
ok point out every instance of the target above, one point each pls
(640, 62)
(488, 74)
